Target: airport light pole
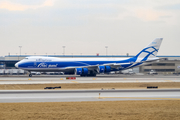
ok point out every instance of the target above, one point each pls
(20, 49)
(64, 49)
(106, 49)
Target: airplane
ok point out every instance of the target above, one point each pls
(90, 66)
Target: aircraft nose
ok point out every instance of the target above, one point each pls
(16, 65)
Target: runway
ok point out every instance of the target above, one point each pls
(99, 79)
(11, 96)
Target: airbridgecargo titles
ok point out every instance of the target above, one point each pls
(44, 65)
(90, 66)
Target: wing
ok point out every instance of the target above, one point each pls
(95, 67)
(112, 65)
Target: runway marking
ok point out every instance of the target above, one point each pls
(74, 81)
(141, 98)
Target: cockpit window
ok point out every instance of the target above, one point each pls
(26, 58)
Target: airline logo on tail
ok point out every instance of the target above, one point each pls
(148, 53)
(151, 50)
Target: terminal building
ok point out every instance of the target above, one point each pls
(170, 65)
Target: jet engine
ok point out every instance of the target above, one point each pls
(78, 71)
(107, 69)
(81, 71)
(104, 69)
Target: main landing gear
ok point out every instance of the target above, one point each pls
(89, 75)
(30, 75)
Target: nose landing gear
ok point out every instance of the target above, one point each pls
(30, 75)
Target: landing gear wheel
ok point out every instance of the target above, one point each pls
(82, 75)
(30, 75)
(91, 75)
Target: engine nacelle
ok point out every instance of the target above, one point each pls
(107, 69)
(85, 71)
(101, 69)
(81, 71)
(78, 71)
(104, 69)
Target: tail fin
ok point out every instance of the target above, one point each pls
(150, 51)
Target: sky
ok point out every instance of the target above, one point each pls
(86, 26)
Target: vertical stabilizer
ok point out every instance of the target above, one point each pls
(150, 51)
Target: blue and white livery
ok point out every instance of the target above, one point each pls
(90, 66)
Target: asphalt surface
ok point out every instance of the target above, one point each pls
(12, 96)
(98, 79)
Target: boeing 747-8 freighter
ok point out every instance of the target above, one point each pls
(90, 66)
